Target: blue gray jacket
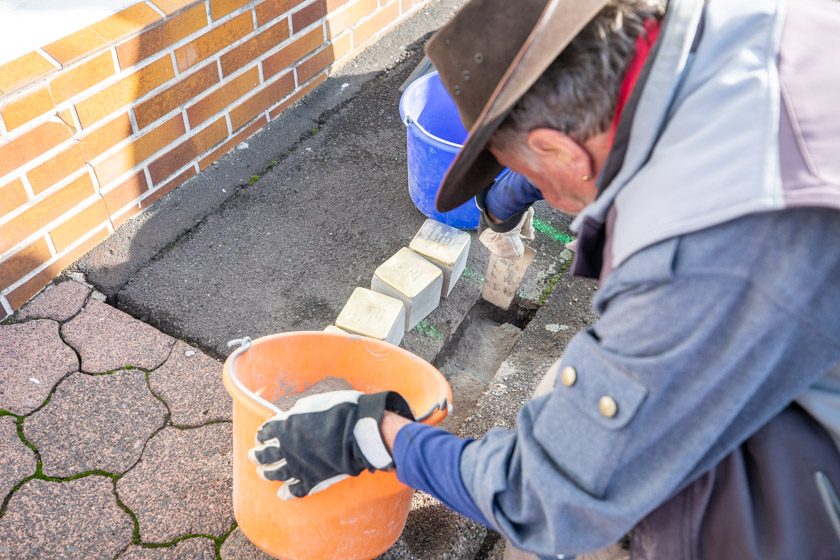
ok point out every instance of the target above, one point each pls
(716, 238)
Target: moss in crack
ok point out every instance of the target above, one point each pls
(176, 540)
(552, 283)
(4, 412)
(221, 540)
(135, 538)
(253, 180)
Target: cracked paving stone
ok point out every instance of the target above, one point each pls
(32, 360)
(58, 302)
(238, 547)
(189, 549)
(64, 520)
(95, 422)
(182, 484)
(190, 382)
(108, 339)
(16, 460)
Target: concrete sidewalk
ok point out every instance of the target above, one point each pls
(115, 430)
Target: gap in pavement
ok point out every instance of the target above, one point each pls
(475, 351)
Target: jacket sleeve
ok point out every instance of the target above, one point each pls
(686, 361)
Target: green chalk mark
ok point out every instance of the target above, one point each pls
(552, 232)
(472, 274)
(427, 329)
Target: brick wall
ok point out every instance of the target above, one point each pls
(98, 125)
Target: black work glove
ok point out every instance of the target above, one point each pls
(325, 438)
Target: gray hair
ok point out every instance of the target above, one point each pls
(577, 94)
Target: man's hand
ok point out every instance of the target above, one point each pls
(325, 438)
(508, 244)
(506, 214)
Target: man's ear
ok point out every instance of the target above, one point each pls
(555, 148)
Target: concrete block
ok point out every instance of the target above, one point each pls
(444, 246)
(334, 330)
(413, 280)
(372, 314)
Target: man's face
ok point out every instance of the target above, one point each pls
(563, 170)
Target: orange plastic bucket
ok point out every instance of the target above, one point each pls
(360, 517)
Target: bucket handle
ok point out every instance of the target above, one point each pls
(244, 344)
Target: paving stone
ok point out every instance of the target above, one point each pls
(16, 460)
(190, 549)
(108, 339)
(64, 520)
(58, 302)
(95, 422)
(238, 547)
(32, 360)
(433, 531)
(183, 484)
(190, 382)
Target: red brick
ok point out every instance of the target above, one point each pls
(213, 41)
(179, 156)
(101, 34)
(32, 144)
(271, 9)
(221, 8)
(307, 16)
(333, 5)
(61, 165)
(24, 70)
(408, 5)
(26, 108)
(383, 18)
(171, 6)
(40, 214)
(185, 89)
(76, 79)
(240, 136)
(168, 187)
(12, 196)
(254, 47)
(125, 91)
(158, 38)
(79, 224)
(23, 262)
(105, 137)
(126, 192)
(347, 17)
(66, 116)
(262, 100)
(25, 291)
(300, 94)
(320, 61)
(223, 97)
(286, 57)
(138, 151)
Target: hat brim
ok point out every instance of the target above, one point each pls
(475, 168)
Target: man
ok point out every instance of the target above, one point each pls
(700, 416)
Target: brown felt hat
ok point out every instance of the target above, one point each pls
(488, 56)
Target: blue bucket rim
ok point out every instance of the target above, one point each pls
(407, 121)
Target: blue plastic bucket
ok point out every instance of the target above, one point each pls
(435, 136)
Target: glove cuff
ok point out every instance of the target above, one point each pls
(503, 227)
(371, 409)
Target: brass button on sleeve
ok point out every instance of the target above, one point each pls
(607, 407)
(568, 376)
